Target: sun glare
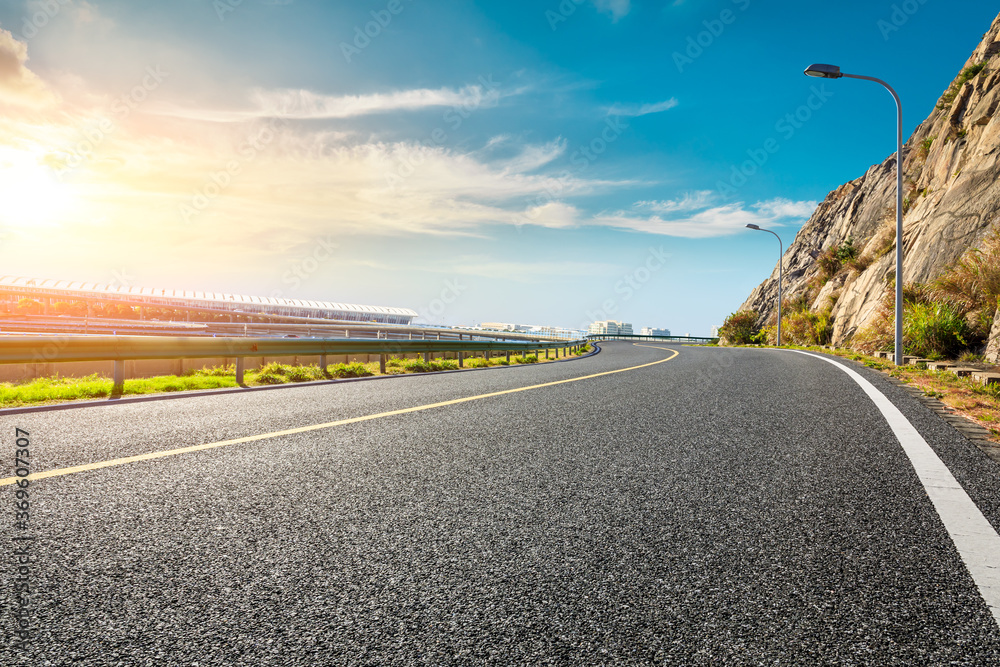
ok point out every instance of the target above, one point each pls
(30, 193)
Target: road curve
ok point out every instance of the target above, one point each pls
(731, 506)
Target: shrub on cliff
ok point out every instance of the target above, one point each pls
(740, 328)
(803, 326)
(972, 284)
(932, 328)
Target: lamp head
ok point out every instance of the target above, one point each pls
(753, 227)
(824, 71)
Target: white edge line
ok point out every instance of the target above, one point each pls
(975, 538)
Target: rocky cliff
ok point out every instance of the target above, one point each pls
(952, 198)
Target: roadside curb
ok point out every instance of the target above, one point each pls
(972, 431)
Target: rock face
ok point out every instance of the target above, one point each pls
(952, 198)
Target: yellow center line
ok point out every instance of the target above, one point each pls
(59, 472)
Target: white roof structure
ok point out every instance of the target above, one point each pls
(68, 289)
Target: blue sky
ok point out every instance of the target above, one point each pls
(538, 162)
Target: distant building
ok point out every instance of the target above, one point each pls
(555, 332)
(715, 331)
(610, 328)
(530, 329)
(650, 331)
(91, 297)
(498, 326)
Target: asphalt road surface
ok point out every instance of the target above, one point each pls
(724, 506)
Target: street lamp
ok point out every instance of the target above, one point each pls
(781, 255)
(833, 72)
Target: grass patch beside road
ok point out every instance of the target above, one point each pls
(59, 389)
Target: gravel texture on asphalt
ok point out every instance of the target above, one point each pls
(730, 506)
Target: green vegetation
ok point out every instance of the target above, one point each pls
(925, 146)
(397, 366)
(934, 330)
(802, 326)
(846, 251)
(967, 75)
(46, 390)
(832, 260)
(49, 390)
(526, 359)
(740, 328)
(275, 373)
(951, 316)
(972, 284)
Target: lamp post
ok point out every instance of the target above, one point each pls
(833, 72)
(781, 256)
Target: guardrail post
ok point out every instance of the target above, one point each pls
(119, 380)
(461, 359)
(427, 357)
(323, 365)
(381, 364)
(508, 356)
(240, 368)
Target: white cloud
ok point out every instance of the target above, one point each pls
(532, 157)
(18, 84)
(555, 214)
(691, 201)
(785, 208)
(300, 104)
(644, 109)
(708, 222)
(617, 8)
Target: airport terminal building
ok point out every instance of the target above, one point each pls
(94, 296)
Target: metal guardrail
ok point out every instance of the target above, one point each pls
(52, 349)
(638, 337)
(97, 326)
